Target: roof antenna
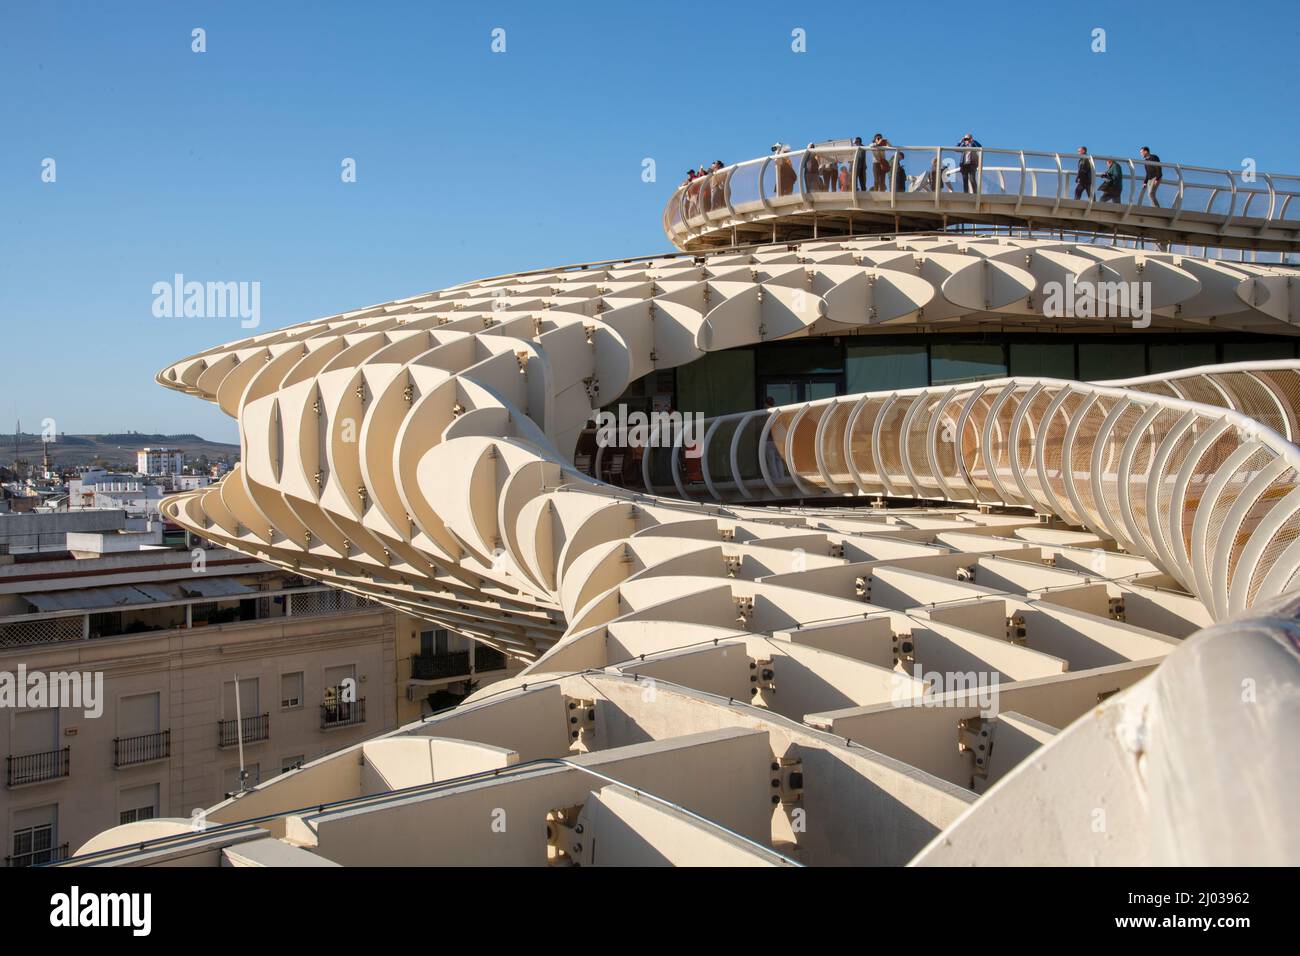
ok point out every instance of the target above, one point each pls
(239, 729)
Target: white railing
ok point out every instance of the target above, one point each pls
(846, 176)
(1198, 470)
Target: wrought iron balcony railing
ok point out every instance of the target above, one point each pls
(33, 768)
(488, 659)
(342, 713)
(255, 727)
(128, 751)
(438, 666)
(53, 854)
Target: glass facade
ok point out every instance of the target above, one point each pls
(1258, 351)
(1171, 356)
(1102, 361)
(802, 370)
(950, 364)
(874, 368)
(718, 384)
(1042, 360)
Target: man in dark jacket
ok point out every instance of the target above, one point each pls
(970, 161)
(860, 163)
(1112, 182)
(1083, 178)
(1154, 173)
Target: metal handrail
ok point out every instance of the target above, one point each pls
(37, 767)
(250, 729)
(1112, 389)
(142, 748)
(685, 212)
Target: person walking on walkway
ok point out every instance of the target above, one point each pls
(1083, 177)
(1154, 173)
(1112, 182)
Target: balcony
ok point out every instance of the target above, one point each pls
(440, 666)
(255, 727)
(53, 854)
(35, 768)
(488, 659)
(342, 713)
(145, 748)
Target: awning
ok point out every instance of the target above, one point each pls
(108, 598)
(80, 599)
(214, 587)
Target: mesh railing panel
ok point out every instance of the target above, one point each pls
(326, 602)
(50, 630)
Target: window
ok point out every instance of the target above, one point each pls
(248, 698)
(291, 690)
(336, 676)
(877, 368)
(292, 763)
(33, 845)
(36, 753)
(433, 642)
(807, 357)
(36, 731)
(138, 803)
(1257, 351)
(1100, 362)
(717, 384)
(137, 715)
(34, 836)
(950, 364)
(1171, 356)
(134, 816)
(1043, 360)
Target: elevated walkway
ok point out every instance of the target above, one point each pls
(810, 194)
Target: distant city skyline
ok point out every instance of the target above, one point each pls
(230, 165)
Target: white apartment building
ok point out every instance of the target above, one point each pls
(159, 461)
(169, 630)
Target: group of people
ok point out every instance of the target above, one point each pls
(1112, 179)
(844, 169)
(708, 195)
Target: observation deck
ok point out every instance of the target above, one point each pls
(826, 192)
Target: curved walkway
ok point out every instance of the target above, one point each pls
(810, 193)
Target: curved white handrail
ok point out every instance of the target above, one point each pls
(691, 215)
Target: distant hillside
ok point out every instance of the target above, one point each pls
(117, 449)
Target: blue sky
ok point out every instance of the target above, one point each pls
(225, 165)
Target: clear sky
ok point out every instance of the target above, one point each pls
(226, 165)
